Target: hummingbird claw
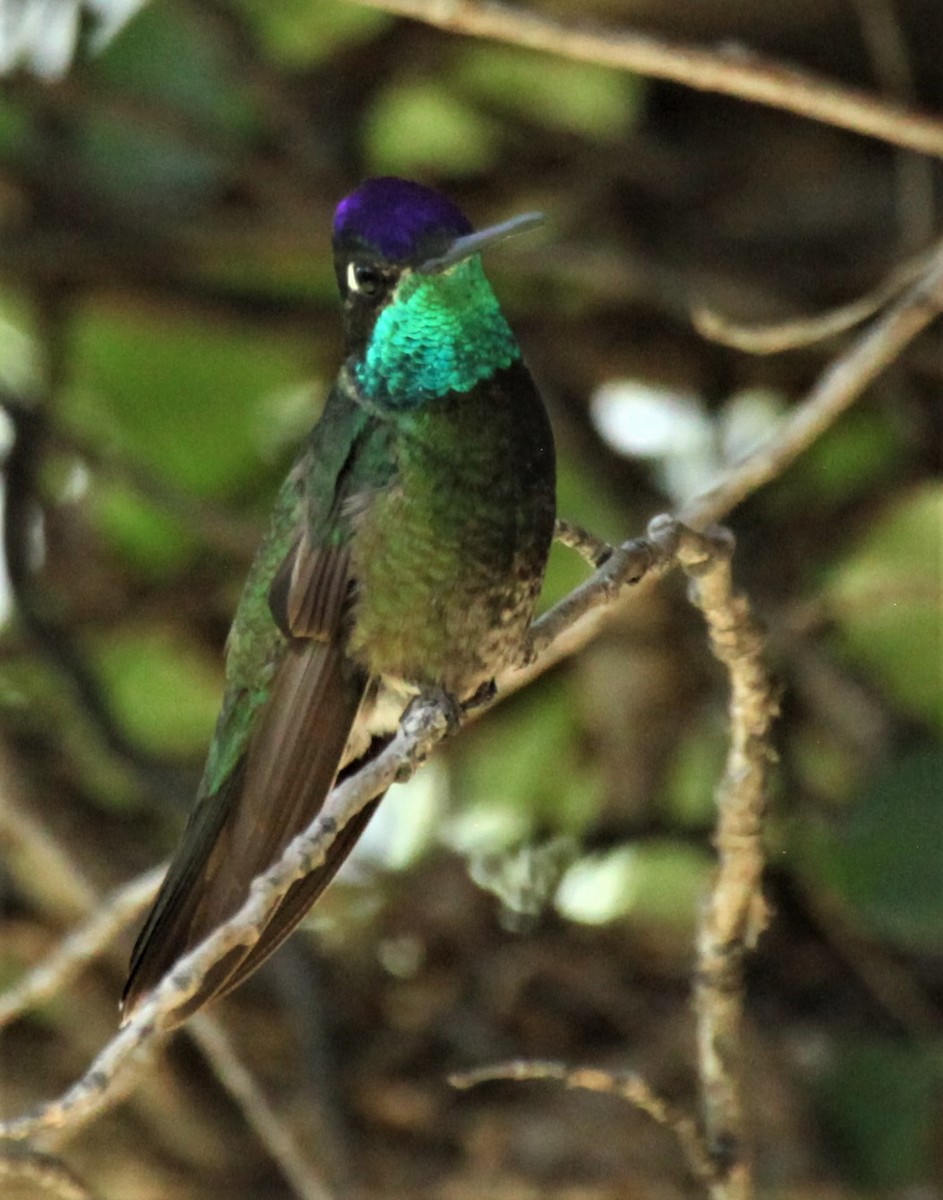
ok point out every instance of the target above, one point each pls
(483, 696)
(450, 706)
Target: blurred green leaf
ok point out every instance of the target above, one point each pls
(149, 541)
(16, 126)
(164, 689)
(31, 692)
(879, 1108)
(695, 771)
(184, 397)
(855, 456)
(19, 360)
(297, 33)
(296, 270)
(575, 96)
(418, 128)
(144, 169)
(883, 859)
(887, 600)
(825, 765)
(524, 772)
(163, 54)
(658, 882)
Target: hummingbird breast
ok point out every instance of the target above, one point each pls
(449, 557)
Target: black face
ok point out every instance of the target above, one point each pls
(366, 284)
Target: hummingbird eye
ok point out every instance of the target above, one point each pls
(364, 279)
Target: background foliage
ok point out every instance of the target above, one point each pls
(168, 330)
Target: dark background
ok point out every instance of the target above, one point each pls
(168, 330)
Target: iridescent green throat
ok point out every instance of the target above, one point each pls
(439, 333)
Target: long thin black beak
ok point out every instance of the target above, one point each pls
(472, 243)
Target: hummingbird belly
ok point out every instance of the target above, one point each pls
(448, 559)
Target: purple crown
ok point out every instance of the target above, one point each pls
(398, 218)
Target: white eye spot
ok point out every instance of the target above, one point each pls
(364, 279)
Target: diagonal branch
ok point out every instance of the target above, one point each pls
(85, 943)
(39, 855)
(423, 726)
(242, 1086)
(837, 389)
(729, 70)
(44, 1172)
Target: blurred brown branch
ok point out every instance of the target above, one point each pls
(804, 331)
(730, 70)
(626, 1085)
(86, 942)
(45, 1172)
(839, 386)
(243, 1087)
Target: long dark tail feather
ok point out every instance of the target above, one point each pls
(234, 834)
(299, 900)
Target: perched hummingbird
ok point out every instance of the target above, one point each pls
(405, 553)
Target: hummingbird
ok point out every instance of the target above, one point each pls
(405, 555)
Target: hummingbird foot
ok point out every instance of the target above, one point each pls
(481, 697)
(436, 710)
(447, 703)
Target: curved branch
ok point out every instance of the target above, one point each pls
(730, 70)
(627, 1085)
(837, 389)
(44, 1172)
(85, 943)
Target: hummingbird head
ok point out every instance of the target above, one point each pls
(411, 283)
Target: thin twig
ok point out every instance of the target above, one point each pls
(804, 331)
(259, 1114)
(886, 46)
(85, 943)
(30, 852)
(588, 546)
(43, 1171)
(625, 1084)
(839, 386)
(626, 564)
(731, 70)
